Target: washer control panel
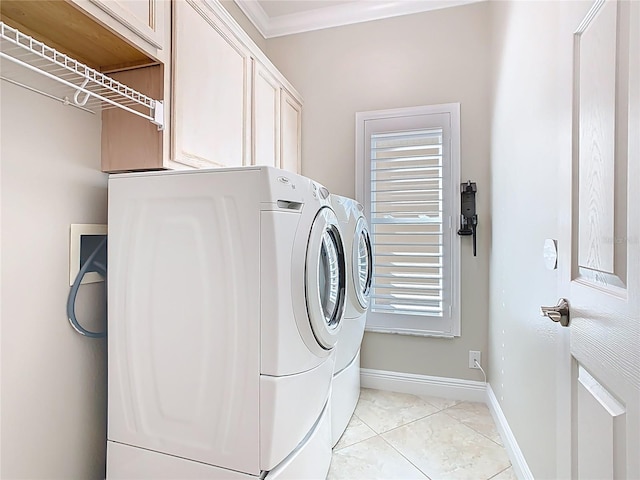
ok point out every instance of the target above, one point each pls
(319, 190)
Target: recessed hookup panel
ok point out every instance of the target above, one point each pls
(83, 240)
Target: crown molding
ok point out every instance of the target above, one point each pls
(256, 14)
(335, 16)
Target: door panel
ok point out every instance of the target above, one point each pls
(600, 248)
(211, 73)
(266, 118)
(291, 131)
(596, 57)
(601, 429)
(601, 150)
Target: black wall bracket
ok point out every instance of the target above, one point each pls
(468, 216)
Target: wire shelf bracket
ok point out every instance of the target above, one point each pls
(68, 80)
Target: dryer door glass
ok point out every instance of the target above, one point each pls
(325, 278)
(329, 277)
(362, 263)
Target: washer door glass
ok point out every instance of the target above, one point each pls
(329, 277)
(325, 278)
(362, 263)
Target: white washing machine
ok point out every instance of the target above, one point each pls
(346, 378)
(227, 289)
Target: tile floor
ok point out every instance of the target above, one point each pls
(401, 436)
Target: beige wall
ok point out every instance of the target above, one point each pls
(431, 58)
(530, 136)
(53, 381)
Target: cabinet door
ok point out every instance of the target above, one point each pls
(266, 117)
(142, 22)
(291, 133)
(211, 80)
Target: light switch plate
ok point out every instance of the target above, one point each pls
(78, 230)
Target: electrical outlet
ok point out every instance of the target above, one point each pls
(473, 356)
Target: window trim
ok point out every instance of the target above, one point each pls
(449, 327)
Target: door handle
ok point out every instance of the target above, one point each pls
(559, 313)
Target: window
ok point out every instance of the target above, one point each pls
(407, 178)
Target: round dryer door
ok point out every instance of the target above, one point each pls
(362, 263)
(325, 278)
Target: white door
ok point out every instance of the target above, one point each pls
(599, 403)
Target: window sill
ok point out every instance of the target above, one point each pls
(412, 333)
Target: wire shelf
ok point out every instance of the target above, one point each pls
(67, 80)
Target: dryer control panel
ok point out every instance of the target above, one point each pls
(319, 191)
(290, 191)
(281, 190)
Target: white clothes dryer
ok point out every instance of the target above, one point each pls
(346, 378)
(227, 288)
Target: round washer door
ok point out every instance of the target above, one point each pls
(362, 263)
(325, 278)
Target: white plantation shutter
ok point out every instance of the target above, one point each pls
(408, 162)
(406, 222)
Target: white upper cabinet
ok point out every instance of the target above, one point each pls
(232, 107)
(277, 116)
(266, 117)
(223, 102)
(229, 106)
(291, 132)
(211, 85)
(141, 22)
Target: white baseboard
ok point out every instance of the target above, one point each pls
(520, 467)
(454, 388)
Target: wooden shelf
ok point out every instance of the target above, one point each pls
(63, 26)
(32, 64)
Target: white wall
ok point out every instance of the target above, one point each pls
(529, 140)
(424, 59)
(53, 381)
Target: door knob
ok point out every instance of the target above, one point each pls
(559, 313)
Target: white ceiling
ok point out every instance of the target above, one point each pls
(275, 18)
(278, 8)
